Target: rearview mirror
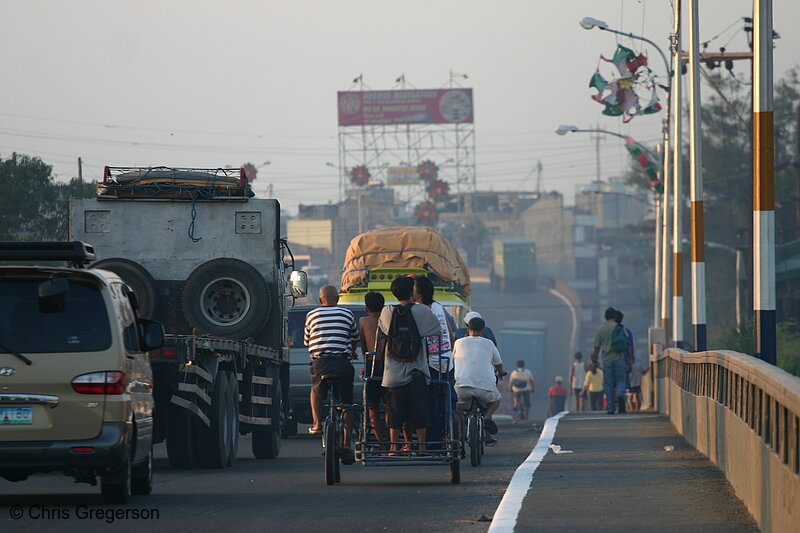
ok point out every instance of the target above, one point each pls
(152, 334)
(298, 283)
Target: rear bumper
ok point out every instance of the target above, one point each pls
(45, 456)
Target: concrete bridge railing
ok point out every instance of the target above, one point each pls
(744, 415)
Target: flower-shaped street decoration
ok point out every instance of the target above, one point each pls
(428, 171)
(437, 190)
(360, 175)
(426, 212)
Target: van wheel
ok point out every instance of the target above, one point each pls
(234, 427)
(215, 441)
(115, 484)
(228, 298)
(137, 278)
(142, 476)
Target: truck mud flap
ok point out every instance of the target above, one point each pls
(258, 397)
(194, 392)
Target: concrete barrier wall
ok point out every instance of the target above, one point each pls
(744, 415)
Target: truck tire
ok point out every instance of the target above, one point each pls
(228, 298)
(181, 439)
(234, 387)
(266, 443)
(138, 279)
(215, 441)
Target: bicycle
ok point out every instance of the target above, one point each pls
(334, 432)
(475, 434)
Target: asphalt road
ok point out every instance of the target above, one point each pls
(286, 494)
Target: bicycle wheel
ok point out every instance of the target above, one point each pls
(481, 439)
(329, 452)
(474, 445)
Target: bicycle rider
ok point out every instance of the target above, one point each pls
(331, 336)
(521, 383)
(477, 366)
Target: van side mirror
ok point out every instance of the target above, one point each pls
(298, 283)
(152, 334)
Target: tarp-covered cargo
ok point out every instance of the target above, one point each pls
(403, 247)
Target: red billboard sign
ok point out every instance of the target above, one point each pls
(408, 106)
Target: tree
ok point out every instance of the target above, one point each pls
(32, 205)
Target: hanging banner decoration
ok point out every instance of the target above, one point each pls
(632, 82)
(648, 166)
(360, 175)
(407, 106)
(427, 213)
(402, 176)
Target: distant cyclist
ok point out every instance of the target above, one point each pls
(521, 384)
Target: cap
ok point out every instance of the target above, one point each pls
(472, 314)
(559, 379)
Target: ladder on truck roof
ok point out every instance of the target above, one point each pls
(189, 184)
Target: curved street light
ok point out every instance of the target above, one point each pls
(564, 129)
(588, 23)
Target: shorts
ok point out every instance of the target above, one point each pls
(484, 397)
(579, 393)
(637, 388)
(409, 403)
(342, 369)
(375, 393)
(525, 396)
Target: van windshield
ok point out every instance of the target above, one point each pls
(81, 325)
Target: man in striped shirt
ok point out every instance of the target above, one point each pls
(331, 335)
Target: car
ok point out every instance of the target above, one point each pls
(316, 276)
(300, 378)
(75, 378)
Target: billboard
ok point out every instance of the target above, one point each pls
(407, 106)
(402, 176)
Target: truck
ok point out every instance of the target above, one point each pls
(525, 340)
(205, 259)
(513, 265)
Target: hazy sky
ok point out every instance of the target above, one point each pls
(213, 83)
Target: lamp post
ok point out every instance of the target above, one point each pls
(589, 23)
(657, 282)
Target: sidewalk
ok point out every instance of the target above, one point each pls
(619, 478)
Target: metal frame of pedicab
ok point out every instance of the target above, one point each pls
(449, 453)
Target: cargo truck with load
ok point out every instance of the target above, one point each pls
(513, 265)
(372, 261)
(205, 259)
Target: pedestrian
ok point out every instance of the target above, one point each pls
(331, 336)
(577, 374)
(462, 332)
(440, 357)
(629, 357)
(402, 329)
(520, 382)
(478, 365)
(556, 397)
(638, 368)
(612, 340)
(593, 384)
(373, 365)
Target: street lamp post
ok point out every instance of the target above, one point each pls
(589, 23)
(658, 272)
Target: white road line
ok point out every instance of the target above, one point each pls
(505, 518)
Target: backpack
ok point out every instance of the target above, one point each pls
(403, 342)
(620, 342)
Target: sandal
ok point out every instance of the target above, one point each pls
(314, 431)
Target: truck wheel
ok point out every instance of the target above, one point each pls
(215, 441)
(227, 297)
(234, 396)
(137, 278)
(267, 442)
(181, 442)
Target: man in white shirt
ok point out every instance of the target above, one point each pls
(477, 363)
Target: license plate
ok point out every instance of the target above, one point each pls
(16, 415)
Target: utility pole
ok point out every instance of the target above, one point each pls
(696, 179)
(596, 139)
(763, 185)
(80, 169)
(657, 259)
(677, 244)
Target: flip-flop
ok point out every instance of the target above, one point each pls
(491, 427)
(314, 431)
